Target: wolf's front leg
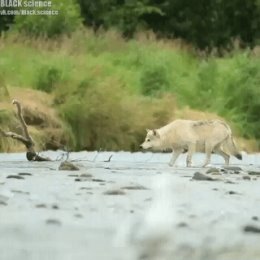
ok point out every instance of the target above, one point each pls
(191, 150)
(175, 155)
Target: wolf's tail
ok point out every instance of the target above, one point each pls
(232, 147)
(230, 143)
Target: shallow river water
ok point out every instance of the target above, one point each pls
(127, 206)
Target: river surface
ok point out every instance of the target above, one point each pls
(127, 206)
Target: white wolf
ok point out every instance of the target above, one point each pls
(208, 136)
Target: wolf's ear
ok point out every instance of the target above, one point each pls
(147, 130)
(155, 133)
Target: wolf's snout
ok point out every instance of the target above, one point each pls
(141, 146)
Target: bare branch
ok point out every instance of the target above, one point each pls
(20, 116)
(25, 138)
(17, 137)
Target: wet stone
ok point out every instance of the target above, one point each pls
(134, 187)
(230, 182)
(54, 206)
(255, 218)
(114, 192)
(252, 229)
(182, 225)
(78, 215)
(55, 222)
(254, 173)
(24, 174)
(3, 203)
(98, 180)
(15, 177)
(212, 170)
(68, 166)
(86, 175)
(202, 177)
(41, 205)
(232, 168)
(85, 188)
(81, 179)
(246, 177)
(215, 173)
(224, 171)
(21, 192)
(231, 192)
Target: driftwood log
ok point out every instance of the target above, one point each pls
(25, 138)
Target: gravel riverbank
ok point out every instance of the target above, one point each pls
(129, 206)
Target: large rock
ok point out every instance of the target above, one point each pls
(198, 176)
(68, 166)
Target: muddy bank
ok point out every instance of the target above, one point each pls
(129, 206)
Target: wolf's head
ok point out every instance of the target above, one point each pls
(152, 140)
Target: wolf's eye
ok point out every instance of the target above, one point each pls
(148, 140)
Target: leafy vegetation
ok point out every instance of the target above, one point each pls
(108, 90)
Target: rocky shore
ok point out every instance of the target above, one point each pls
(129, 206)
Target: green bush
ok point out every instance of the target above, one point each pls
(67, 20)
(154, 80)
(48, 77)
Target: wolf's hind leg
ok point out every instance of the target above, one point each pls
(208, 150)
(226, 156)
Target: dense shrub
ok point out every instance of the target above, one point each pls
(102, 88)
(47, 78)
(154, 80)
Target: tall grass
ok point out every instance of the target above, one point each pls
(109, 90)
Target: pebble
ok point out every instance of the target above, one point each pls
(182, 224)
(24, 174)
(78, 215)
(21, 192)
(212, 170)
(55, 206)
(3, 203)
(86, 175)
(232, 192)
(202, 177)
(81, 179)
(255, 218)
(246, 177)
(114, 192)
(215, 173)
(15, 177)
(53, 222)
(98, 180)
(232, 168)
(86, 188)
(254, 173)
(230, 182)
(252, 229)
(41, 206)
(135, 187)
(68, 166)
